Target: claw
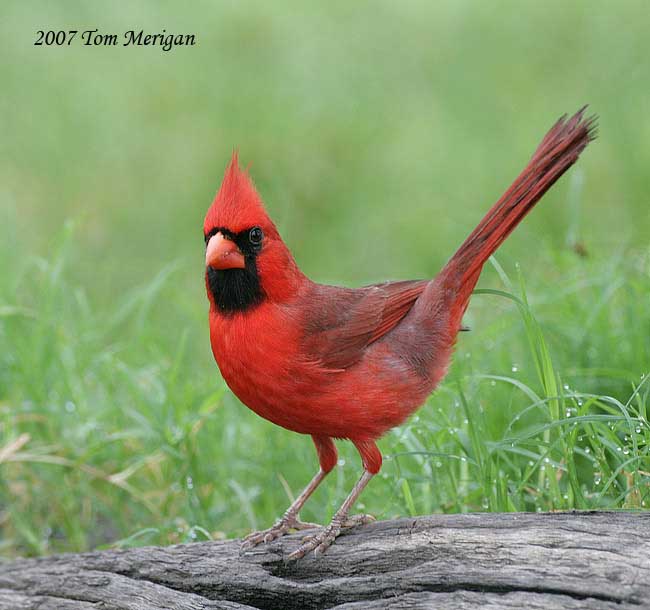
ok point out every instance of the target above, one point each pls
(321, 541)
(282, 527)
(318, 543)
(354, 520)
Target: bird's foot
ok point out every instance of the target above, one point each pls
(354, 520)
(281, 527)
(320, 542)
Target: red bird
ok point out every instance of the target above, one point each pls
(342, 363)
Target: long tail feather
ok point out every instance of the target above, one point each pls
(559, 149)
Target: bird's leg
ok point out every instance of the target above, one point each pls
(289, 520)
(327, 456)
(320, 542)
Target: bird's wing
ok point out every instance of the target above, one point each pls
(342, 322)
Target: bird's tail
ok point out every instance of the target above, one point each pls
(559, 149)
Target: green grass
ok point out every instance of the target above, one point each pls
(378, 137)
(109, 433)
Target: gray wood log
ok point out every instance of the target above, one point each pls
(591, 560)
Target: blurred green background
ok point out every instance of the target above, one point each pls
(378, 133)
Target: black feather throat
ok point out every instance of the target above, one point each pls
(235, 290)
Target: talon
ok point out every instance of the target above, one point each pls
(278, 530)
(318, 543)
(304, 525)
(354, 520)
(323, 546)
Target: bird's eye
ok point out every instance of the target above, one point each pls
(255, 236)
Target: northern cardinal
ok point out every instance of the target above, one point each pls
(342, 363)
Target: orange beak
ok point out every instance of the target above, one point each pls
(223, 253)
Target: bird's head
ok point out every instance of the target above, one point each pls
(246, 260)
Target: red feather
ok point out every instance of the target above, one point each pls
(340, 323)
(351, 363)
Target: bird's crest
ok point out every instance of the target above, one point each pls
(237, 206)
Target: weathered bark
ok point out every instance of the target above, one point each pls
(588, 560)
